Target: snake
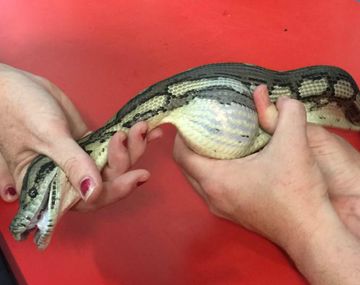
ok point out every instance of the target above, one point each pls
(212, 108)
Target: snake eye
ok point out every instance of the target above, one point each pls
(33, 192)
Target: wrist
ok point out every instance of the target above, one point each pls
(327, 253)
(309, 229)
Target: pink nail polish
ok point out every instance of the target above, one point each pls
(11, 191)
(140, 183)
(144, 135)
(86, 186)
(125, 143)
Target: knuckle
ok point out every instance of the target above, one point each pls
(70, 165)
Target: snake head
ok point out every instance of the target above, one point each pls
(37, 202)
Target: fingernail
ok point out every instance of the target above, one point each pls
(87, 185)
(144, 135)
(11, 191)
(263, 88)
(125, 143)
(140, 183)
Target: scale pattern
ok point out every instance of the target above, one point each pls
(213, 109)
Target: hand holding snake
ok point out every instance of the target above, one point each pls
(232, 188)
(34, 112)
(301, 191)
(213, 109)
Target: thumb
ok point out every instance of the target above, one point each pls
(286, 120)
(290, 130)
(78, 166)
(267, 112)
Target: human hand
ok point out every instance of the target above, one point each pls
(340, 165)
(279, 192)
(33, 112)
(118, 177)
(338, 160)
(283, 191)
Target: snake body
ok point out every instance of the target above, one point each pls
(213, 109)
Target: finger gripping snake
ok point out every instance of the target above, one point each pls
(213, 109)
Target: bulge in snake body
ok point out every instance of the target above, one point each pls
(212, 108)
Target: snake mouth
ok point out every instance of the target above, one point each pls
(37, 221)
(41, 224)
(43, 231)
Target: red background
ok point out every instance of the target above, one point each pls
(102, 53)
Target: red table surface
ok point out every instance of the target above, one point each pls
(101, 53)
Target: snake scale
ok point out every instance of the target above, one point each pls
(213, 109)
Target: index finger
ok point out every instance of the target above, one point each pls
(193, 164)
